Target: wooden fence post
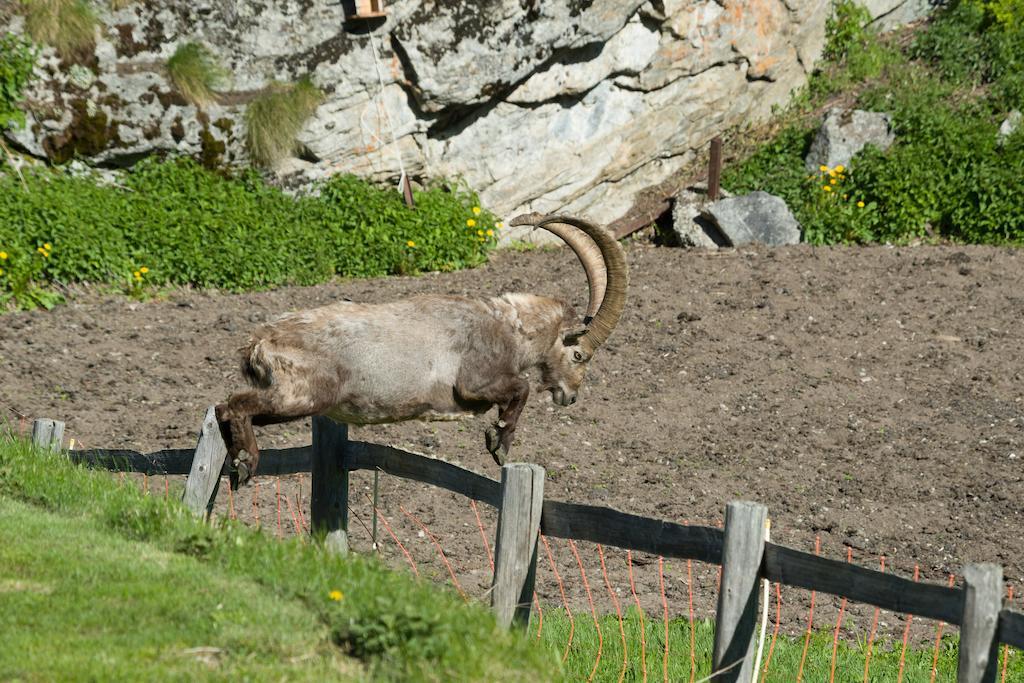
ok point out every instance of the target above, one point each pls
(736, 622)
(979, 645)
(515, 552)
(48, 434)
(329, 501)
(204, 477)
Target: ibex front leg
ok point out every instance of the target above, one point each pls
(509, 393)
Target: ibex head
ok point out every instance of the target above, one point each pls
(607, 276)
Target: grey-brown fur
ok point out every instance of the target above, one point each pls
(429, 357)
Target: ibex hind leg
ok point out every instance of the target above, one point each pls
(257, 407)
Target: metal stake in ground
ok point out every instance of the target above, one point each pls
(376, 499)
(715, 168)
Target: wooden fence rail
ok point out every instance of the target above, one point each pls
(977, 608)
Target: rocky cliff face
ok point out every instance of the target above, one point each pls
(571, 106)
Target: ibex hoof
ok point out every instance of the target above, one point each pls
(497, 449)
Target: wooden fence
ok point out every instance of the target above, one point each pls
(740, 548)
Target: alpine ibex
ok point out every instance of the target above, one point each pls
(427, 357)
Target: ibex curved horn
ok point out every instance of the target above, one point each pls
(605, 265)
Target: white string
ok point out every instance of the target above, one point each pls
(387, 117)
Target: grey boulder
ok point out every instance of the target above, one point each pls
(1009, 126)
(690, 228)
(846, 132)
(755, 217)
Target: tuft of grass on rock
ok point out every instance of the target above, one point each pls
(195, 73)
(68, 25)
(274, 119)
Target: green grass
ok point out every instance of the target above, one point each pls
(99, 581)
(947, 87)
(195, 73)
(67, 25)
(149, 559)
(274, 119)
(110, 608)
(783, 668)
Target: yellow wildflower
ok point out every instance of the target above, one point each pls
(143, 270)
(410, 243)
(823, 168)
(490, 233)
(137, 275)
(499, 225)
(47, 246)
(833, 181)
(470, 222)
(827, 188)
(860, 205)
(3, 255)
(480, 232)
(336, 595)
(840, 168)
(476, 210)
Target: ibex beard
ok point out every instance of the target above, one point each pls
(427, 357)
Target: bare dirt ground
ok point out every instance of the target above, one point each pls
(871, 397)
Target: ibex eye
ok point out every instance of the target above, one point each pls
(577, 356)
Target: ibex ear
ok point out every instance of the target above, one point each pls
(572, 338)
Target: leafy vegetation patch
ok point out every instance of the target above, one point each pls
(175, 223)
(401, 629)
(17, 56)
(948, 88)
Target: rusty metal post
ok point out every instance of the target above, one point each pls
(715, 169)
(407, 192)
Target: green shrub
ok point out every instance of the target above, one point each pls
(195, 73)
(854, 51)
(969, 47)
(17, 57)
(1006, 13)
(946, 175)
(67, 25)
(187, 225)
(275, 118)
(847, 30)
